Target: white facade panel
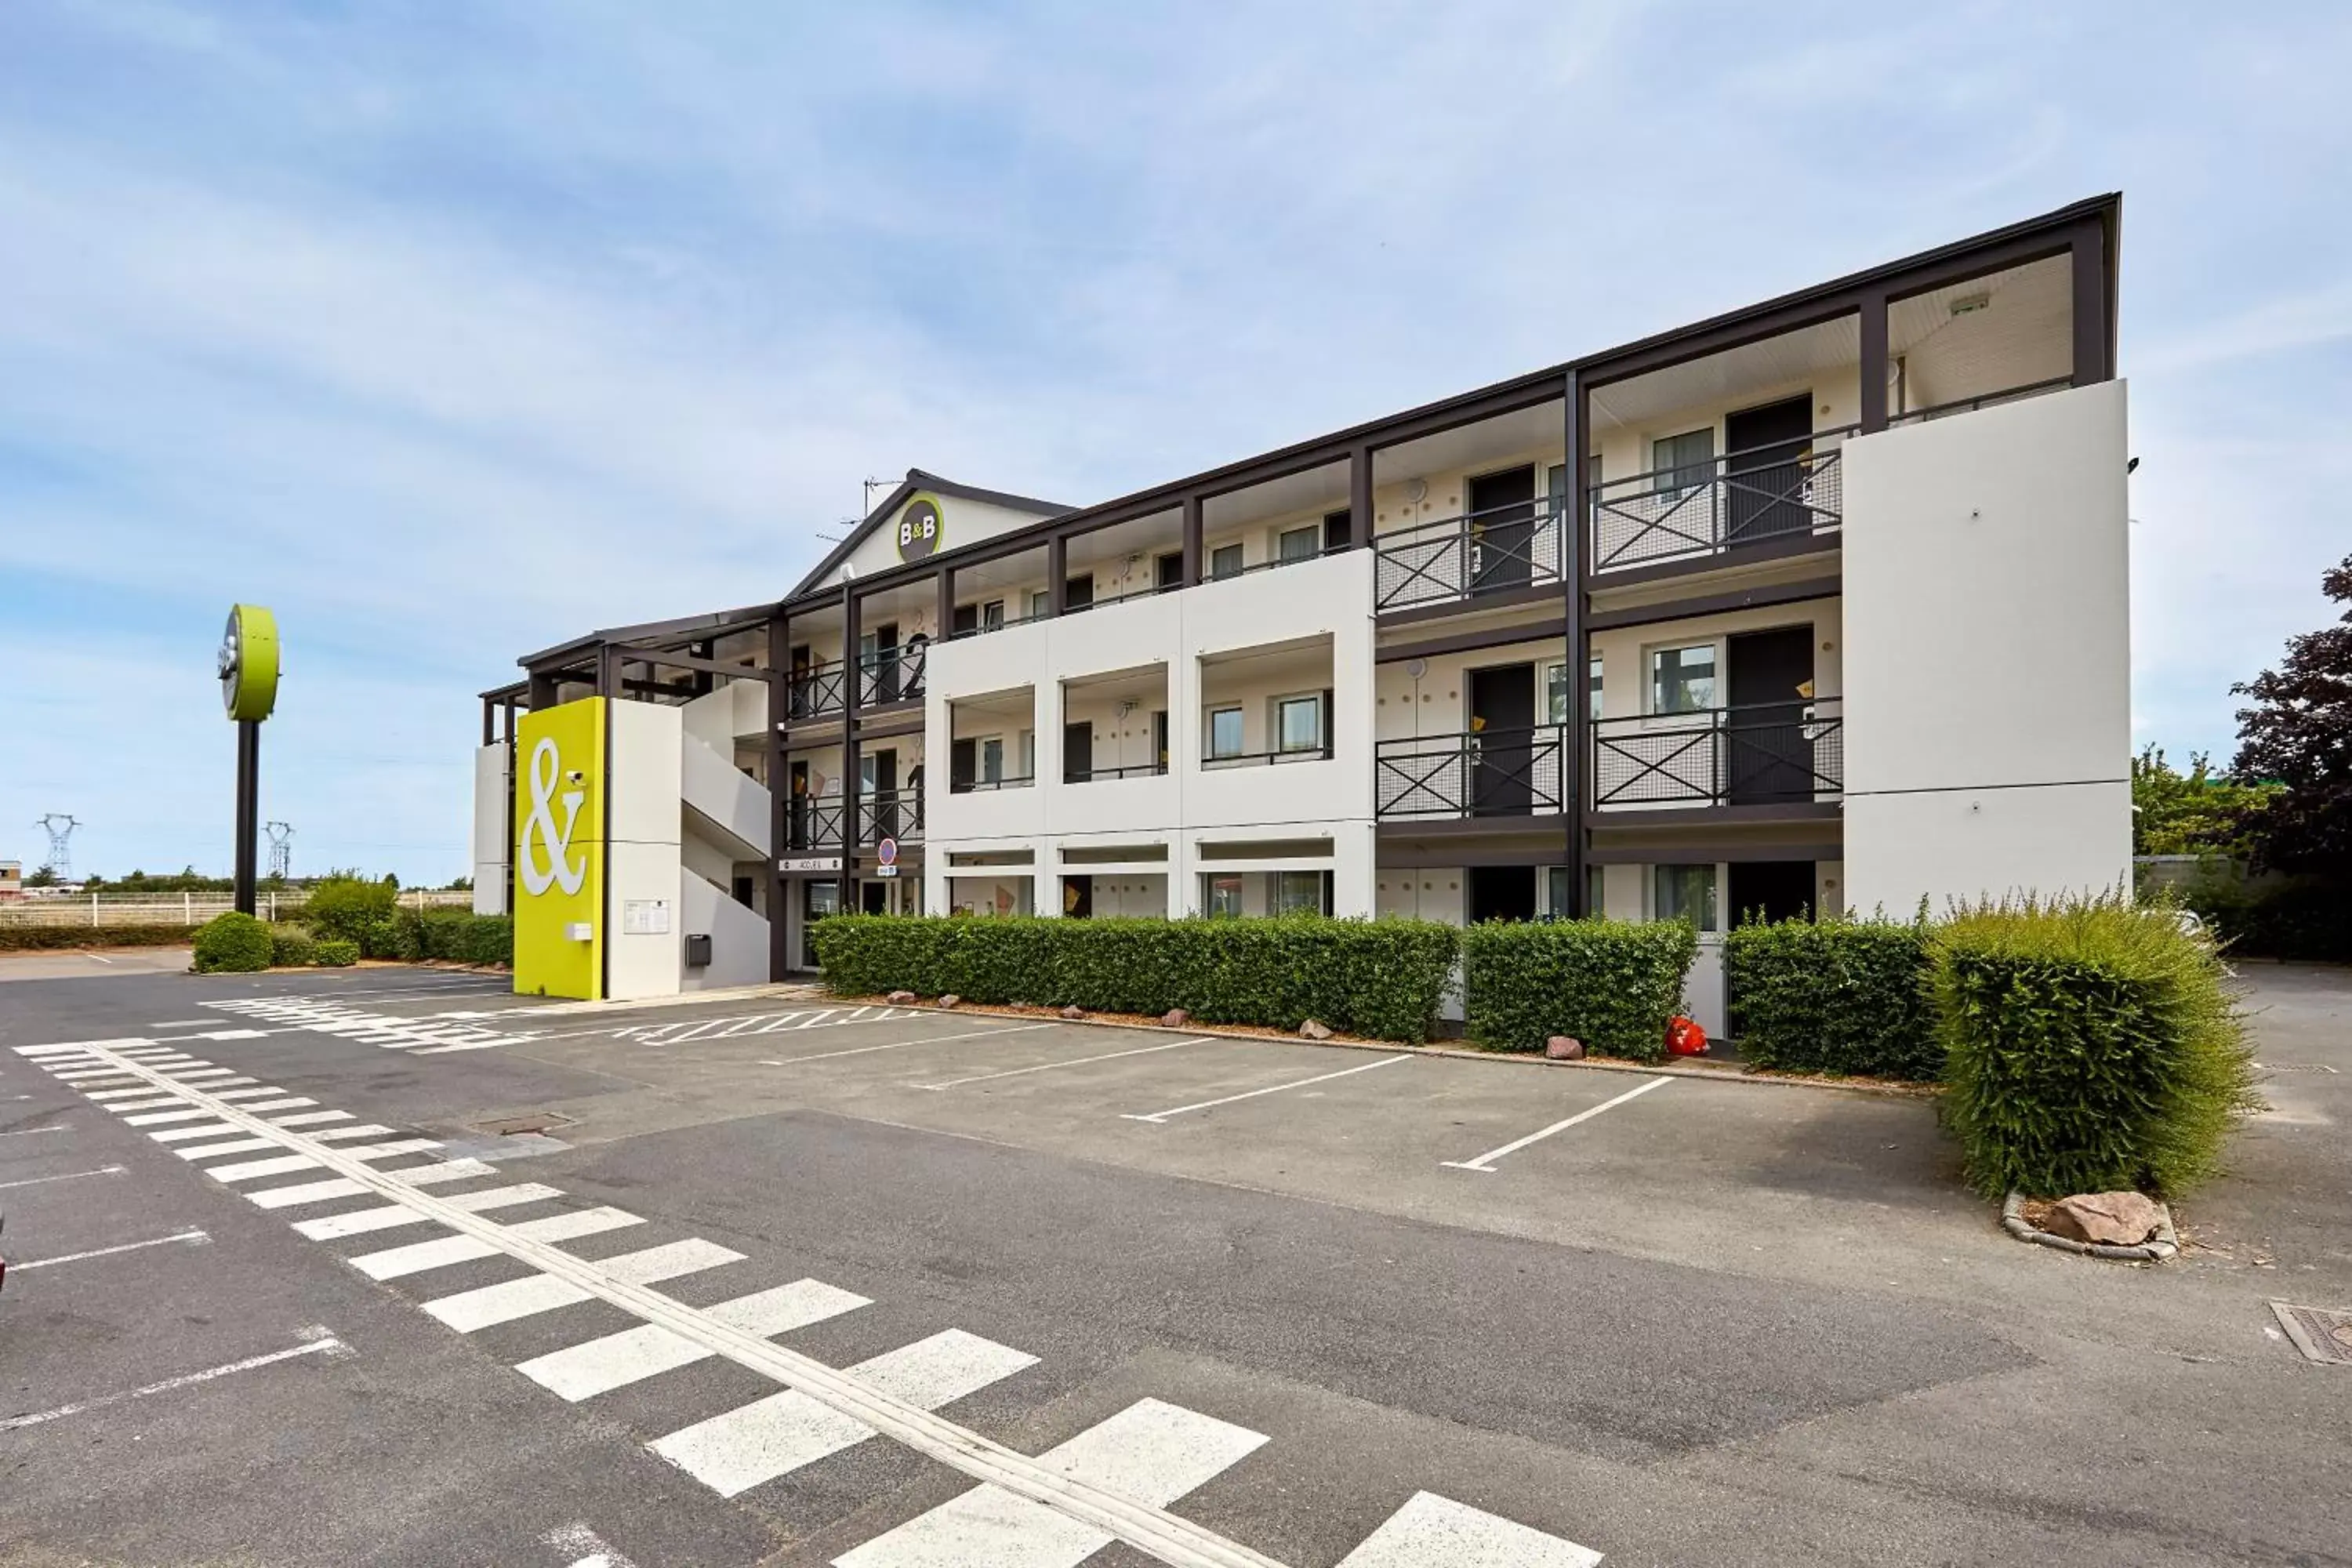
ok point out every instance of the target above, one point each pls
(642, 856)
(1951, 845)
(739, 938)
(492, 853)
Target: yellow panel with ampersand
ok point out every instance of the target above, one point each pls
(559, 865)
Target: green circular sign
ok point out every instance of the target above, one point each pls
(248, 663)
(921, 527)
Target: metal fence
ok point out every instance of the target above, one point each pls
(103, 908)
(1766, 753)
(1494, 773)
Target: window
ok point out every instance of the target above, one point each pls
(1298, 544)
(992, 759)
(1041, 605)
(1683, 462)
(1556, 692)
(1225, 732)
(1225, 560)
(1682, 680)
(1299, 892)
(1225, 895)
(1298, 723)
(1592, 687)
(991, 615)
(1028, 753)
(1556, 892)
(1686, 893)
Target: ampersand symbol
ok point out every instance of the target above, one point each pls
(560, 869)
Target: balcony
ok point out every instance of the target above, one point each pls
(1770, 755)
(1791, 489)
(892, 674)
(812, 824)
(890, 814)
(1518, 545)
(816, 691)
(1491, 773)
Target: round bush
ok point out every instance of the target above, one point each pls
(231, 944)
(290, 947)
(332, 953)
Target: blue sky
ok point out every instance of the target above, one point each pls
(453, 331)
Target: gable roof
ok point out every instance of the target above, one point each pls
(916, 481)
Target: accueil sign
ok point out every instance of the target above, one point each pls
(559, 813)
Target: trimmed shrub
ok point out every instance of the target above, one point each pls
(335, 954)
(1615, 985)
(345, 906)
(15, 938)
(290, 947)
(1382, 979)
(231, 944)
(393, 937)
(455, 936)
(1834, 997)
(2092, 1046)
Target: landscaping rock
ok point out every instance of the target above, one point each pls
(1074, 1011)
(1314, 1029)
(1174, 1018)
(1564, 1048)
(950, 1000)
(2114, 1219)
(899, 999)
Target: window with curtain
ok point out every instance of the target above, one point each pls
(1683, 462)
(1224, 732)
(1225, 895)
(1225, 560)
(1298, 724)
(1686, 892)
(1298, 892)
(1300, 544)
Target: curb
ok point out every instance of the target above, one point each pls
(2166, 1244)
(1390, 1048)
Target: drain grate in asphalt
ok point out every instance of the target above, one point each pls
(530, 1121)
(2321, 1334)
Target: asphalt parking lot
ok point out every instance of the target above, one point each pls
(1663, 1319)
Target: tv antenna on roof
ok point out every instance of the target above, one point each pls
(60, 825)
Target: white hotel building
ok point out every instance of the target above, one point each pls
(1831, 613)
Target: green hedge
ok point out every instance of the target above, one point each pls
(1377, 978)
(290, 947)
(2092, 1046)
(344, 907)
(50, 938)
(2307, 918)
(1613, 985)
(1833, 996)
(231, 944)
(457, 936)
(333, 952)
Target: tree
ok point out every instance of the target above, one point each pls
(2195, 813)
(43, 876)
(2298, 734)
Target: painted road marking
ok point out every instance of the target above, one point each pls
(1484, 1162)
(152, 1102)
(391, 1216)
(618, 1281)
(207, 1130)
(233, 1146)
(317, 1342)
(902, 1044)
(733, 1453)
(586, 1548)
(398, 1262)
(68, 1176)
(340, 1134)
(471, 1310)
(29, 1131)
(635, 1354)
(311, 1118)
(1432, 1532)
(1049, 1067)
(1272, 1088)
(1152, 1450)
(344, 1187)
(186, 1237)
(252, 1169)
(157, 1118)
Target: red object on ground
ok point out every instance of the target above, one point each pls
(1685, 1038)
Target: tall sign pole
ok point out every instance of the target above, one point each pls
(248, 678)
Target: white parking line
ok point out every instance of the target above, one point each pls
(902, 1044)
(1160, 1116)
(191, 1237)
(1484, 1162)
(29, 1132)
(68, 1176)
(320, 1342)
(1075, 1062)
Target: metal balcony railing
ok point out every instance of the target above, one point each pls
(1095, 775)
(890, 814)
(1779, 492)
(1512, 546)
(811, 822)
(983, 787)
(1489, 773)
(892, 674)
(1770, 753)
(816, 690)
(1268, 759)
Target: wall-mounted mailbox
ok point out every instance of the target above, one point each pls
(698, 951)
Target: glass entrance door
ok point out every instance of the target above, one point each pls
(818, 900)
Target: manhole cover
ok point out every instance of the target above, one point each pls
(530, 1121)
(2321, 1334)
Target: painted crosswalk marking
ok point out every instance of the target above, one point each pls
(416, 1257)
(1430, 1531)
(472, 1311)
(632, 1355)
(391, 1030)
(753, 1443)
(392, 1217)
(1153, 1451)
